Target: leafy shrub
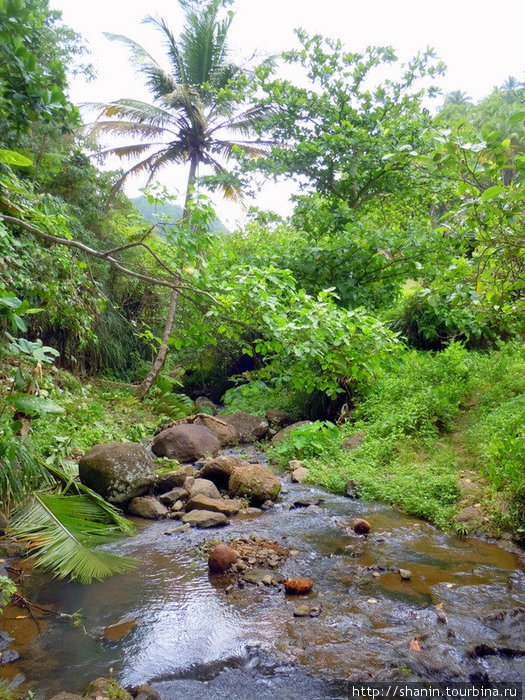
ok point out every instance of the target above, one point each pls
(307, 441)
(257, 397)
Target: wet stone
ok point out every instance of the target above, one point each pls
(8, 656)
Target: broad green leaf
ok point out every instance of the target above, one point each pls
(492, 192)
(34, 405)
(14, 158)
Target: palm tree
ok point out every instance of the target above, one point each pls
(192, 119)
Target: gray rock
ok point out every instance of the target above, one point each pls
(405, 574)
(277, 417)
(181, 528)
(205, 402)
(249, 428)
(186, 442)
(262, 576)
(204, 518)
(118, 471)
(306, 502)
(147, 507)
(219, 469)
(204, 487)
(171, 497)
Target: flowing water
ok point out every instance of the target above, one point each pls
(173, 625)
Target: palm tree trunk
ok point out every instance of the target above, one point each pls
(158, 362)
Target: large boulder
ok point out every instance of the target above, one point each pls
(277, 417)
(219, 469)
(118, 471)
(204, 518)
(203, 487)
(185, 442)
(147, 507)
(203, 402)
(250, 428)
(255, 482)
(224, 432)
(215, 505)
(279, 437)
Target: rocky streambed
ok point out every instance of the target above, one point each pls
(405, 601)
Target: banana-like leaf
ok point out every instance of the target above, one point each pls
(62, 533)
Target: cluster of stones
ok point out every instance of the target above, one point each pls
(109, 689)
(203, 493)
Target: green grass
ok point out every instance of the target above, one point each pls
(427, 418)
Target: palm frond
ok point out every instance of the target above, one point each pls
(172, 47)
(129, 128)
(131, 151)
(61, 533)
(20, 472)
(112, 514)
(136, 110)
(139, 167)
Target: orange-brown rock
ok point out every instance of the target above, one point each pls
(298, 586)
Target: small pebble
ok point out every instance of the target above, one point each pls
(302, 611)
(371, 601)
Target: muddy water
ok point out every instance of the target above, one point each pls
(171, 624)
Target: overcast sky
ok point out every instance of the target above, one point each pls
(482, 43)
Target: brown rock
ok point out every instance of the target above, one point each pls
(249, 428)
(298, 586)
(147, 507)
(215, 505)
(361, 526)
(204, 487)
(299, 475)
(185, 442)
(467, 514)
(64, 695)
(225, 433)
(219, 469)
(279, 437)
(145, 692)
(221, 558)
(117, 471)
(353, 441)
(255, 482)
(277, 417)
(205, 402)
(205, 518)
(174, 479)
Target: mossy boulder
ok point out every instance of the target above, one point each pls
(254, 482)
(185, 442)
(118, 471)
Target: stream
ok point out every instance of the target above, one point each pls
(171, 624)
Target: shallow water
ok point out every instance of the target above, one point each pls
(170, 624)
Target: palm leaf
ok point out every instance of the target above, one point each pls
(62, 532)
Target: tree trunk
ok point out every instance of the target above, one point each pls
(158, 362)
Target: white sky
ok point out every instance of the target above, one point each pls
(481, 42)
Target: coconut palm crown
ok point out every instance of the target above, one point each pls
(194, 103)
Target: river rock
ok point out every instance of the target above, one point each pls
(221, 558)
(186, 442)
(171, 497)
(204, 518)
(118, 471)
(361, 526)
(299, 475)
(405, 574)
(302, 611)
(219, 469)
(279, 437)
(64, 695)
(467, 514)
(216, 505)
(13, 548)
(174, 479)
(298, 586)
(277, 417)
(260, 576)
(206, 403)
(147, 507)
(307, 502)
(204, 487)
(255, 482)
(225, 433)
(249, 428)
